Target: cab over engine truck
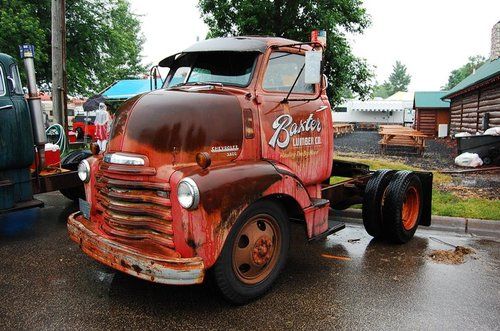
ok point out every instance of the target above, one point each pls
(207, 172)
(22, 143)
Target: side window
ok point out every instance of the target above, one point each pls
(2, 86)
(281, 72)
(18, 87)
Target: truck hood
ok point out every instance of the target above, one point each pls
(171, 127)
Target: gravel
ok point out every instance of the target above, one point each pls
(439, 153)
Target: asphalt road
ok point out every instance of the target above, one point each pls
(47, 283)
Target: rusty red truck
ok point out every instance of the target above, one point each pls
(206, 173)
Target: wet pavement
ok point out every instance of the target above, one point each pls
(47, 283)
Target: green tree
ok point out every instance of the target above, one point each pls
(295, 19)
(382, 90)
(458, 75)
(103, 40)
(398, 80)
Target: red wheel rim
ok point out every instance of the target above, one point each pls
(411, 208)
(256, 249)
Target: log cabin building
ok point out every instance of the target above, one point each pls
(431, 112)
(475, 101)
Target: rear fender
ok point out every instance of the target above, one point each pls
(426, 180)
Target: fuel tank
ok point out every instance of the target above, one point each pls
(171, 126)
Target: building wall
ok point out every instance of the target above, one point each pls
(384, 117)
(467, 110)
(428, 120)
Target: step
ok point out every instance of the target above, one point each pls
(333, 226)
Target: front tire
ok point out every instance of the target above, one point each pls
(254, 254)
(402, 207)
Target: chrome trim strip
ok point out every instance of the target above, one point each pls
(117, 158)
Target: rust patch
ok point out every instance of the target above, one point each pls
(136, 268)
(228, 192)
(182, 123)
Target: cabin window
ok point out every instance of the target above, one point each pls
(18, 87)
(2, 86)
(281, 72)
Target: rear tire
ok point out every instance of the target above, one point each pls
(373, 201)
(254, 254)
(402, 207)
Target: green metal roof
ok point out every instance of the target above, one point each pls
(430, 99)
(484, 72)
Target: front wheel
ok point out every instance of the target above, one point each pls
(254, 253)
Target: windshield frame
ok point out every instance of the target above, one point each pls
(186, 82)
(5, 87)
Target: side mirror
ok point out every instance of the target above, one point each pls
(313, 67)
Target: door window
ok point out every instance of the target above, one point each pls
(18, 88)
(2, 86)
(281, 72)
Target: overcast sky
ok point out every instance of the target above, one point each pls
(431, 37)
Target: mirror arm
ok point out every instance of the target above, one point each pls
(285, 100)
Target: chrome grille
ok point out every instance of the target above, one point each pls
(134, 209)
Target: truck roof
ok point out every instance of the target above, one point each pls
(234, 44)
(238, 44)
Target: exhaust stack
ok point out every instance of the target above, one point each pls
(35, 105)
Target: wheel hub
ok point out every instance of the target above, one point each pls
(262, 250)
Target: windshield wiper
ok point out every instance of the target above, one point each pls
(198, 84)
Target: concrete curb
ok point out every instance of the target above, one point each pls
(473, 226)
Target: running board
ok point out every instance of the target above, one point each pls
(333, 226)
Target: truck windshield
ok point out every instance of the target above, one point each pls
(227, 68)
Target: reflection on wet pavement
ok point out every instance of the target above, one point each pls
(46, 282)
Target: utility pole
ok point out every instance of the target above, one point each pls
(59, 83)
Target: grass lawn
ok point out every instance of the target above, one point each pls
(444, 203)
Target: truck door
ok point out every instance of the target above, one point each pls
(16, 137)
(294, 133)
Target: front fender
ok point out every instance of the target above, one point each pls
(225, 191)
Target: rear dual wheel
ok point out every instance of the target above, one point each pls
(392, 205)
(254, 253)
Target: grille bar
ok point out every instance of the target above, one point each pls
(133, 209)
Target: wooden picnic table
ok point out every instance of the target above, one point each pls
(402, 137)
(342, 128)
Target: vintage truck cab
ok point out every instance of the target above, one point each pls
(207, 172)
(23, 170)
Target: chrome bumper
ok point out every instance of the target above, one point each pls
(169, 270)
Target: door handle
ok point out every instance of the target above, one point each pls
(321, 109)
(6, 107)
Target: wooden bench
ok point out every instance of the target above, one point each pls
(401, 137)
(342, 128)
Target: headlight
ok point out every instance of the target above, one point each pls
(84, 171)
(188, 193)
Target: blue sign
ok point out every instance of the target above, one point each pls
(26, 51)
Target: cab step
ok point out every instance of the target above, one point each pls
(333, 226)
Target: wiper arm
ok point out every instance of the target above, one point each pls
(206, 83)
(197, 84)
